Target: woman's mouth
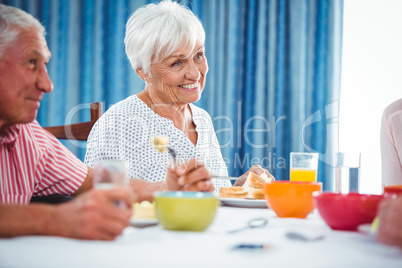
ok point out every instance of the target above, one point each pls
(190, 87)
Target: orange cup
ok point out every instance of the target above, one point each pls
(392, 189)
(292, 199)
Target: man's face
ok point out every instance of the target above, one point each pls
(23, 78)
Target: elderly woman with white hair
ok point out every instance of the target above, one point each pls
(165, 45)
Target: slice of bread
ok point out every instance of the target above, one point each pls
(144, 210)
(254, 181)
(256, 194)
(233, 192)
(252, 188)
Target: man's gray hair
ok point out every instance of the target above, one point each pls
(155, 31)
(12, 21)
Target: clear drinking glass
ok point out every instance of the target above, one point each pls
(347, 172)
(303, 166)
(109, 174)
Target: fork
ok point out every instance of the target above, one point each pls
(173, 153)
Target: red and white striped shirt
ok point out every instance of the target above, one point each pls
(34, 163)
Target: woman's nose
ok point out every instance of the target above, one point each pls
(193, 72)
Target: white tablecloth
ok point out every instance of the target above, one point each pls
(156, 247)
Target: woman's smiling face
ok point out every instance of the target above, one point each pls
(180, 78)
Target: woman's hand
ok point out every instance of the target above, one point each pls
(390, 222)
(257, 169)
(191, 176)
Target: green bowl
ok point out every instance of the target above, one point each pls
(185, 211)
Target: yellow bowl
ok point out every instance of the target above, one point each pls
(185, 211)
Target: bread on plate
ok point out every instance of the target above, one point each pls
(252, 188)
(233, 192)
(144, 210)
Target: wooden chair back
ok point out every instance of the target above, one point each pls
(78, 131)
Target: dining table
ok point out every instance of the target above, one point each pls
(281, 242)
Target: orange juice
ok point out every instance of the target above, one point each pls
(303, 174)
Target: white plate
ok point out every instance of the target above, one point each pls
(141, 223)
(244, 203)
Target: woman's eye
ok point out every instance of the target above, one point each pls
(32, 61)
(176, 63)
(200, 54)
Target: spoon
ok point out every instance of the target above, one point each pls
(254, 223)
(303, 237)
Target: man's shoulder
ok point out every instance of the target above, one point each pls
(32, 128)
(392, 112)
(394, 107)
(392, 117)
(31, 136)
(34, 125)
(36, 132)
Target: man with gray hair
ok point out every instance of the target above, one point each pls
(34, 163)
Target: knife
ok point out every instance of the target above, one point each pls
(227, 178)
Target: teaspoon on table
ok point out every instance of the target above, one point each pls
(254, 223)
(303, 237)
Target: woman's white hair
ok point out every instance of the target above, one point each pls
(12, 21)
(155, 31)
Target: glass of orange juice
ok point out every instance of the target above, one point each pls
(303, 166)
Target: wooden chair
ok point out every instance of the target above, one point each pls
(78, 131)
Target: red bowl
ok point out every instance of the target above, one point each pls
(346, 211)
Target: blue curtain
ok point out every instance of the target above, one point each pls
(272, 88)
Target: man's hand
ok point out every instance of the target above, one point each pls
(390, 222)
(191, 176)
(96, 215)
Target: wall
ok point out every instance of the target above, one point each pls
(371, 79)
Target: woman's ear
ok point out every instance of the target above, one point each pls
(141, 74)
